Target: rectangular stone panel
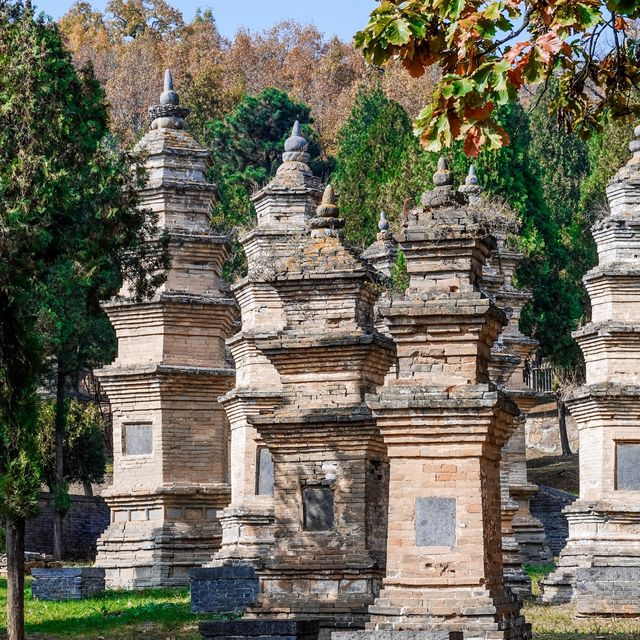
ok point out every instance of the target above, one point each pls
(435, 522)
(318, 508)
(265, 480)
(137, 439)
(628, 466)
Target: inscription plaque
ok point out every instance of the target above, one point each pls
(318, 508)
(628, 466)
(265, 472)
(137, 439)
(435, 522)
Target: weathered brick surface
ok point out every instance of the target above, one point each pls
(224, 589)
(598, 567)
(171, 480)
(444, 426)
(74, 583)
(306, 356)
(260, 630)
(548, 506)
(521, 532)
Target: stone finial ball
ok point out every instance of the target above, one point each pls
(295, 142)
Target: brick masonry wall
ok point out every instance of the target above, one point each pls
(74, 583)
(225, 589)
(83, 524)
(547, 506)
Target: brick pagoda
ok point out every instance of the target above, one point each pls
(599, 569)
(523, 537)
(331, 471)
(444, 424)
(170, 434)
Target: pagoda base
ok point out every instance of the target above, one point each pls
(515, 577)
(155, 540)
(229, 582)
(527, 529)
(599, 569)
(338, 599)
(475, 612)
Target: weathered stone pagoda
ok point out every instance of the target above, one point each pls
(523, 537)
(599, 569)
(170, 468)
(444, 423)
(306, 356)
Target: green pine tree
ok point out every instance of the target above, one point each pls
(246, 148)
(70, 232)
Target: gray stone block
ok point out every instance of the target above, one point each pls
(72, 583)
(227, 588)
(426, 634)
(260, 629)
(628, 466)
(435, 522)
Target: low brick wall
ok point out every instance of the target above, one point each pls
(83, 524)
(73, 583)
(605, 591)
(260, 629)
(547, 506)
(398, 635)
(224, 589)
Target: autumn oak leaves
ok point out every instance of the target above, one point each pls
(488, 51)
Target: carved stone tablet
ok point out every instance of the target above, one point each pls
(137, 439)
(318, 508)
(435, 522)
(628, 467)
(265, 472)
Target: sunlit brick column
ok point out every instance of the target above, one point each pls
(521, 532)
(170, 468)
(444, 425)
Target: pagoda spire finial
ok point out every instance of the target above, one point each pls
(471, 187)
(443, 176)
(327, 220)
(295, 143)
(383, 223)
(168, 114)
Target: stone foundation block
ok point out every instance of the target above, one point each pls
(74, 583)
(227, 588)
(398, 635)
(608, 591)
(260, 630)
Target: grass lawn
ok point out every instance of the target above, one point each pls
(164, 614)
(155, 614)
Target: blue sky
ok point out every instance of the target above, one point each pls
(339, 17)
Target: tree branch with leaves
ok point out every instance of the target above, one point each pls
(489, 50)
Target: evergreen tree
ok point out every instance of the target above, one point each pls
(246, 148)
(379, 165)
(70, 232)
(559, 248)
(85, 456)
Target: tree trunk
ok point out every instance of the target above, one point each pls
(562, 421)
(15, 578)
(58, 515)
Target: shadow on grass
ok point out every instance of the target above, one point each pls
(166, 609)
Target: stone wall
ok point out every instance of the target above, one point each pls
(73, 583)
(543, 433)
(228, 588)
(83, 524)
(547, 506)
